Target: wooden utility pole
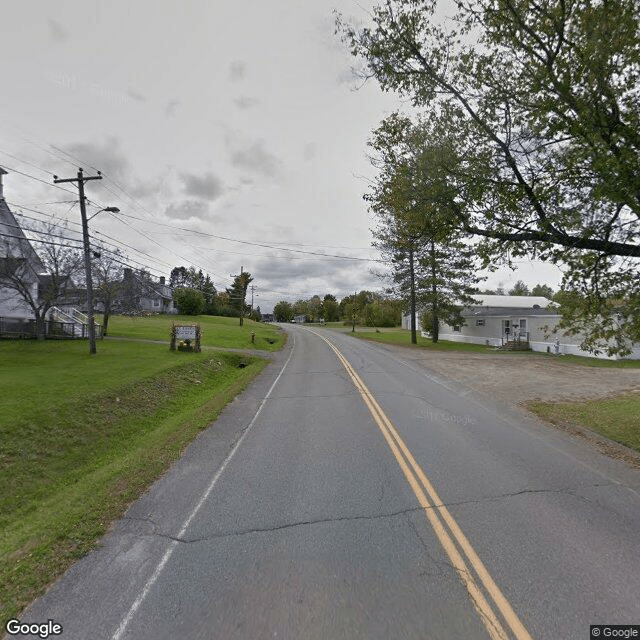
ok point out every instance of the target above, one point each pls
(81, 179)
(242, 288)
(353, 329)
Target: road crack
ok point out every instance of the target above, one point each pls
(156, 530)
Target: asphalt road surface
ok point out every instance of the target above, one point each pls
(350, 493)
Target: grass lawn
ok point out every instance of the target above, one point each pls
(83, 436)
(216, 331)
(615, 418)
(403, 337)
(400, 336)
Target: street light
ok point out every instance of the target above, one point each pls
(87, 270)
(107, 209)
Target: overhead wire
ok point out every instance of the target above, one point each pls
(272, 246)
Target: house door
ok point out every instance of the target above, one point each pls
(523, 329)
(506, 327)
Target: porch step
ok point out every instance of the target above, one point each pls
(515, 345)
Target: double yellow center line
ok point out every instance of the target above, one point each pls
(454, 542)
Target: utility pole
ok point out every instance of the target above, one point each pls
(353, 329)
(252, 288)
(81, 179)
(242, 287)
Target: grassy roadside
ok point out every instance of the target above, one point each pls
(615, 418)
(81, 437)
(403, 337)
(217, 331)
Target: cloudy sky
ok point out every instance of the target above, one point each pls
(229, 134)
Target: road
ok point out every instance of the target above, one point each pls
(350, 493)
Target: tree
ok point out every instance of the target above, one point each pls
(190, 278)
(543, 101)
(283, 311)
(432, 261)
(519, 289)
(39, 280)
(315, 308)
(256, 314)
(189, 301)
(543, 290)
(179, 277)
(331, 308)
(107, 269)
(383, 312)
(238, 293)
(301, 308)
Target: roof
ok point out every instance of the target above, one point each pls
(479, 312)
(512, 302)
(13, 241)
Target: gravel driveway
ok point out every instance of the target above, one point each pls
(518, 378)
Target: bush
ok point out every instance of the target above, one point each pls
(190, 302)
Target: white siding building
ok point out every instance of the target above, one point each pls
(499, 319)
(17, 255)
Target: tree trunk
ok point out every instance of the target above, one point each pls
(435, 323)
(105, 322)
(40, 326)
(414, 339)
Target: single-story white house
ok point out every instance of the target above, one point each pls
(497, 320)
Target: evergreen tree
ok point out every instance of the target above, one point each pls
(432, 262)
(238, 294)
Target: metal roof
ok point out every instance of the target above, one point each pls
(480, 312)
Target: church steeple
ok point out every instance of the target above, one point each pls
(2, 173)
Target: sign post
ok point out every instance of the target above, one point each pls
(185, 337)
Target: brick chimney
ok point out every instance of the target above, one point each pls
(2, 173)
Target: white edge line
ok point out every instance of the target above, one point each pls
(169, 552)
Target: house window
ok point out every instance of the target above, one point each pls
(456, 327)
(156, 303)
(480, 322)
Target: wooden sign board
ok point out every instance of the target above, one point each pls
(186, 332)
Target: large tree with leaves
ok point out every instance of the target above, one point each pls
(433, 262)
(542, 101)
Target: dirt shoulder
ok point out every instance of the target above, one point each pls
(519, 378)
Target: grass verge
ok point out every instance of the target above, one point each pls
(403, 337)
(615, 418)
(216, 331)
(81, 437)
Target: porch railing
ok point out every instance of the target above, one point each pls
(53, 329)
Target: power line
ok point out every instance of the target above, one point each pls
(248, 242)
(23, 238)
